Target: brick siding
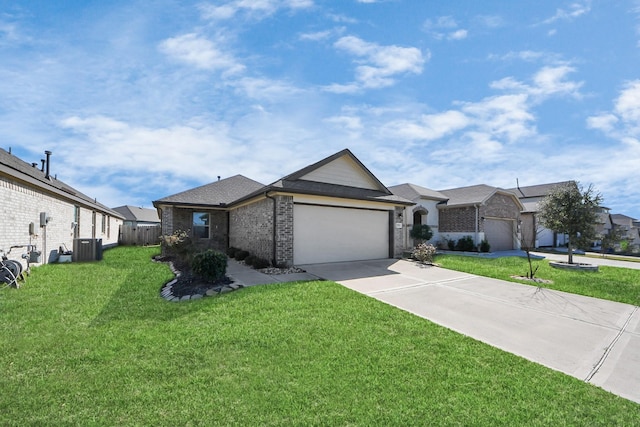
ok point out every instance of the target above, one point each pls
(22, 204)
(251, 228)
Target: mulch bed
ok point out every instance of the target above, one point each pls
(188, 283)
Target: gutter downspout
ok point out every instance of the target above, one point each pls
(477, 219)
(273, 259)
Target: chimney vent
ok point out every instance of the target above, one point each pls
(48, 154)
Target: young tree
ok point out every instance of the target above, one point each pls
(529, 231)
(570, 210)
(420, 233)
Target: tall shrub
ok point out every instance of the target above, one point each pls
(210, 265)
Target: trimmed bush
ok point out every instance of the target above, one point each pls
(249, 260)
(210, 265)
(259, 263)
(465, 244)
(421, 232)
(231, 251)
(451, 244)
(485, 246)
(242, 255)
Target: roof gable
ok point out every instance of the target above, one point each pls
(341, 175)
(342, 168)
(474, 195)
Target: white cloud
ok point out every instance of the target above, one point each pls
(379, 65)
(623, 122)
(253, 8)
(323, 35)
(445, 27)
(458, 35)
(546, 82)
(200, 52)
(429, 127)
(575, 10)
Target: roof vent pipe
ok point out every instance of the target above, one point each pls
(42, 165)
(48, 154)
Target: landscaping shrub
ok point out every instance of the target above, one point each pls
(485, 246)
(451, 244)
(178, 245)
(465, 244)
(259, 263)
(424, 252)
(421, 232)
(249, 260)
(242, 255)
(231, 251)
(210, 265)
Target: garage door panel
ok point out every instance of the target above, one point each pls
(332, 234)
(499, 234)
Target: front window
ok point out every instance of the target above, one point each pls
(201, 225)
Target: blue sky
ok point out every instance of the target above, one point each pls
(138, 100)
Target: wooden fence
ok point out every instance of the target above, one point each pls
(139, 235)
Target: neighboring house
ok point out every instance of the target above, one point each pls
(333, 210)
(479, 211)
(135, 216)
(604, 225)
(534, 234)
(141, 226)
(482, 212)
(45, 213)
(425, 210)
(630, 230)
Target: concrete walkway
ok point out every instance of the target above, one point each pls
(591, 260)
(593, 340)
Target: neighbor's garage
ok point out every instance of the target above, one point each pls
(499, 233)
(330, 234)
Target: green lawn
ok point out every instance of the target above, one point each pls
(94, 344)
(611, 283)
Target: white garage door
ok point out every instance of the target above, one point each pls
(332, 234)
(499, 234)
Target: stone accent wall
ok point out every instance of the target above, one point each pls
(459, 220)
(284, 230)
(397, 233)
(500, 206)
(251, 228)
(22, 204)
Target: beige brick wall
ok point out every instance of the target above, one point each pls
(22, 204)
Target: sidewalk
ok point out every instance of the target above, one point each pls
(247, 276)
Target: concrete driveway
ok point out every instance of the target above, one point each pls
(593, 340)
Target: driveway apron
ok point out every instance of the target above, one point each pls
(594, 340)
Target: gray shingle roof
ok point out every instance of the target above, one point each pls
(219, 193)
(238, 188)
(19, 169)
(539, 190)
(413, 191)
(134, 213)
(475, 194)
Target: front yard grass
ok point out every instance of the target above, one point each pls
(94, 344)
(610, 283)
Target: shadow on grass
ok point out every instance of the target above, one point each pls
(138, 299)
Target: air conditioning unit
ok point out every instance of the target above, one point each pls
(87, 250)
